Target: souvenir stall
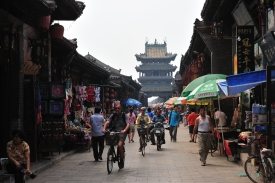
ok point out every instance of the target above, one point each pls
(250, 115)
(50, 118)
(80, 105)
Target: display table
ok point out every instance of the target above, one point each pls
(80, 139)
(226, 146)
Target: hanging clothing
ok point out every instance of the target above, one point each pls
(83, 93)
(91, 93)
(77, 93)
(97, 94)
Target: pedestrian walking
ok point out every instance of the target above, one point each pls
(191, 123)
(174, 119)
(132, 121)
(97, 123)
(205, 130)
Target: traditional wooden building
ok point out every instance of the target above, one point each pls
(235, 36)
(26, 58)
(155, 71)
(124, 85)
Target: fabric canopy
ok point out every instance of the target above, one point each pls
(244, 81)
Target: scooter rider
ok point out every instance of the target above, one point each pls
(158, 118)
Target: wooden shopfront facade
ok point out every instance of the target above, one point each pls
(25, 58)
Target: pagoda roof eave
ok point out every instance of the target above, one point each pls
(68, 10)
(141, 70)
(171, 58)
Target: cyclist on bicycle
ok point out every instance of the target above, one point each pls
(158, 118)
(119, 122)
(142, 119)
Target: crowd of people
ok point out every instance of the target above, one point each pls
(200, 130)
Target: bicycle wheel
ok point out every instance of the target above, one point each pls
(110, 160)
(143, 145)
(254, 170)
(214, 146)
(269, 177)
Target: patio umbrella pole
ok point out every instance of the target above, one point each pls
(220, 120)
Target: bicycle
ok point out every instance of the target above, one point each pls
(142, 131)
(259, 168)
(214, 145)
(113, 156)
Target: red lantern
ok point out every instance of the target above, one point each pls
(56, 31)
(106, 94)
(106, 89)
(114, 94)
(106, 100)
(111, 96)
(43, 22)
(112, 91)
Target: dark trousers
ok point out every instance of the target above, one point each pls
(98, 142)
(18, 175)
(173, 133)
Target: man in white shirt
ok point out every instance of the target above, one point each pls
(220, 118)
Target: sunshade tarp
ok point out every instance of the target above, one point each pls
(244, 81)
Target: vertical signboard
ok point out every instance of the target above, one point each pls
(245, 49)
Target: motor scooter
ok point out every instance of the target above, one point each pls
(158, 130)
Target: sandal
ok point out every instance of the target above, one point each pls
(132, 140)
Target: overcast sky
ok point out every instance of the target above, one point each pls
(113, 31)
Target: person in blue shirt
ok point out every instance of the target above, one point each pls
(174, 119)
(97, 123)
(157, 118)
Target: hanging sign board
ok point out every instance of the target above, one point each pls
(267, 45)
(245, 49)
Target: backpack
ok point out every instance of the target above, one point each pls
(124, 119)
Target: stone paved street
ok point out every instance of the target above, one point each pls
(176, 162)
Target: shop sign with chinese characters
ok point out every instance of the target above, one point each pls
(245, 49)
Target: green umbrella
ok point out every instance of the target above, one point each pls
(209, 89)
(196, 82)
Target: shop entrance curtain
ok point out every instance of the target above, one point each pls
(244, 81)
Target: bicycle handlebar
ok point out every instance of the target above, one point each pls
(110, 132)
(260, 136)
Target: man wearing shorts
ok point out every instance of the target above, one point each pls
(191, 123)
(119, 122)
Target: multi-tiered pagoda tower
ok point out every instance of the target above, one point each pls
(155, 71)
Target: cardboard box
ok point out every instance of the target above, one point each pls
(262, 118)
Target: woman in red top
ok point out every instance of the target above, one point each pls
(191, 123)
